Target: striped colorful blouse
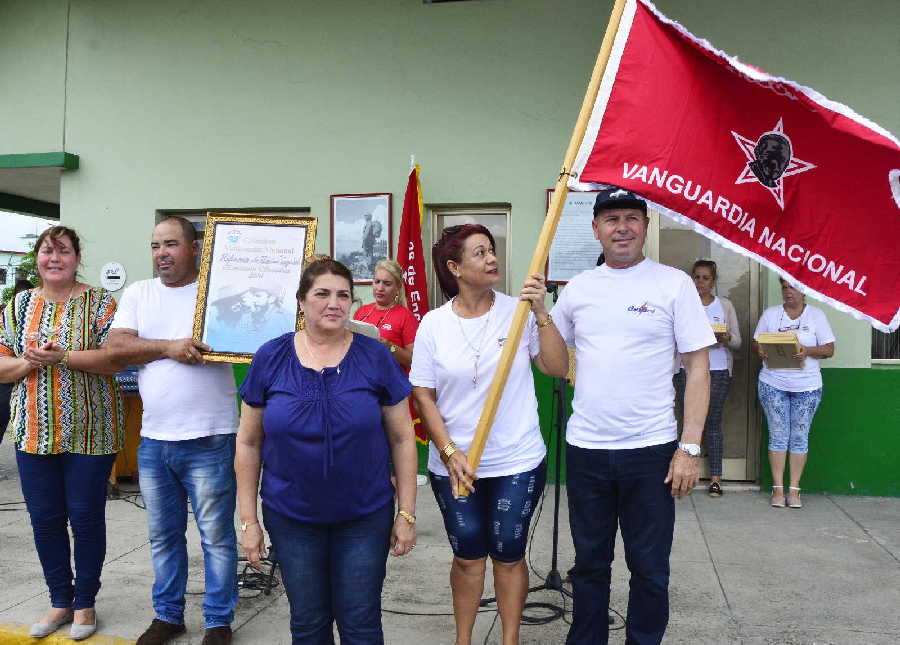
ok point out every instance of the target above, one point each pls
(55, 409)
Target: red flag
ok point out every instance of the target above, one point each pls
(409, 248)
(760, 164)
(412, 262)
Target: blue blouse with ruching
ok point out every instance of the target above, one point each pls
(324, 451)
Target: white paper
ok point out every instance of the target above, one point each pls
(574, 248)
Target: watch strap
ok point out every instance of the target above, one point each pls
(692, 449)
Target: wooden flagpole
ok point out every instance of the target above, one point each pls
(539, 258)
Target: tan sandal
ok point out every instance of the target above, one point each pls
(793, 501)
(777, 500)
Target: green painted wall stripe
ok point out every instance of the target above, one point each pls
(65, 160)
(854, 442)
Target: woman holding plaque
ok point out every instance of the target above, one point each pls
(396, 324)
(458, 348)
(723, 319)
(789, 397)
(322, 408)
(67, 424)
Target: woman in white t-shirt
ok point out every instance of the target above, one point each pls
(457, 349)
(790, 397)
(719, 310)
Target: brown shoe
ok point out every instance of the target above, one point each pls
(217, 636)
(159, 633)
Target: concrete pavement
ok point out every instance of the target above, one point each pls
(742, 572)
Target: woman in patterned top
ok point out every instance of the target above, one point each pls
(67, 423)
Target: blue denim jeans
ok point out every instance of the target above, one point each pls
(67, 488)
(202, 470)
(333, 573)
(494, 520)
(607, 489)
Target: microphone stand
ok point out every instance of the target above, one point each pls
(553, 580)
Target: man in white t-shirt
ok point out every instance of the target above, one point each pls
(626, 319)
(187, 436)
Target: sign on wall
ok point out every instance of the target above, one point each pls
(112, 276)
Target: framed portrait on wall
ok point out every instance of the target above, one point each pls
(361, 232)
(250, 269)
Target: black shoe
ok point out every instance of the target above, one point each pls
(217, 636)
(714, 490)
(159, 633)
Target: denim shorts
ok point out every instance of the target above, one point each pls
(493, 520)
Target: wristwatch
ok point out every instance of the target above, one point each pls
(692, 449)
(394, 348)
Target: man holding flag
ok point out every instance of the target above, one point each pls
(626, 319)
(757, 163)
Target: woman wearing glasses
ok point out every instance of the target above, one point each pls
(457, 350)
(790, 397)
(719, 311)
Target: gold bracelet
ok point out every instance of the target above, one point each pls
(546, 323)
(65, 358)
(447, 451)
(409, 517)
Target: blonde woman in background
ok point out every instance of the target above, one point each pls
(395, 323)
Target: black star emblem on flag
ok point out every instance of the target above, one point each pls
(769, 160)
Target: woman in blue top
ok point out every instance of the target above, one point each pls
(321, 409)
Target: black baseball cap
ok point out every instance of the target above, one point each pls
(616, 197)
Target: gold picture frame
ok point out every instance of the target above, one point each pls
(250, 268)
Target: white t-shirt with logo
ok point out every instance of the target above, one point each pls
(180, 401)
(444, 361)
(626, 326)
(812, 329)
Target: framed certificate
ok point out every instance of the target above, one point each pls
(250, 269)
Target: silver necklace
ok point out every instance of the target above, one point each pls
(782, 327)
(315, 356)
(476, 350)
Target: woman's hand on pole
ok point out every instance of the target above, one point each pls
(460, 472)
(534, 291)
